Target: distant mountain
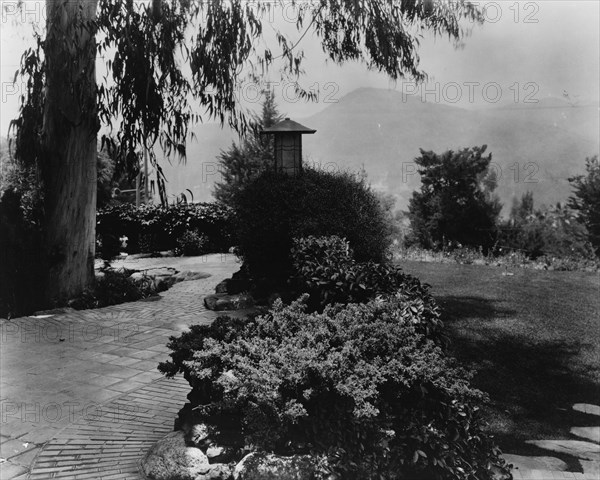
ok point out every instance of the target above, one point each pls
(534, 146)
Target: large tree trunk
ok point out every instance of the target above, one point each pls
(70, 145)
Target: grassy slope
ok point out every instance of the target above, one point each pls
(533, 339)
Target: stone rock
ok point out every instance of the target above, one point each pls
(218, 471)
(590, 468)
(138, 276)
(214, 451)
(163, 282)
(171, 459)
(263, 466)
(161, 271)
(232, 286)
(220, 454)
(587, 408)
(589, 433)
(187, 275)
(221, 287)
(198, 435)
(575, 448)
(220, 302)
(521, 462)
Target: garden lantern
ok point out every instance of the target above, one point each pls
(287, 136)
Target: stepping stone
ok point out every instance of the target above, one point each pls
(587, 408)
(589, 433)
(590, 467)
(521, 462)
(575, 448)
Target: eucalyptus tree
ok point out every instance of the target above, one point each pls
(168, 64)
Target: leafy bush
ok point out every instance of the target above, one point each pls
(357, 383)
(112, 288)
(325, 269)
(586, 200)
(275, 208)
(547, 232)
(151, 228)
(191, 243)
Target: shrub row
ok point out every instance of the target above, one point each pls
(151, 228)
(357, 383)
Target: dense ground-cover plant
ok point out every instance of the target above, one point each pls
(357, 383)
(114, 287)
(275, 208)
(151, 228)
(325, 268)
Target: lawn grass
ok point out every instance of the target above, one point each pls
(533, 339)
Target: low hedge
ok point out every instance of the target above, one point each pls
(357, 383)
(151, 228)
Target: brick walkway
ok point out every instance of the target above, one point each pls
(80, 396)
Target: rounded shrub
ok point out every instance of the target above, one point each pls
(275, 208)
(356, 383)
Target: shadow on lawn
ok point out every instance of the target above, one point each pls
(532, 381)
(470, 307)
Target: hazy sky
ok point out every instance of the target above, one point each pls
(526, 50)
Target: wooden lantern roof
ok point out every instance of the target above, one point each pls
(287, 126)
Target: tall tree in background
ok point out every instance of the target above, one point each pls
(243, 161)
(145, 95)
(456, 201)
(586, 200)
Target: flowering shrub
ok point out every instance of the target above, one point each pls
(325, 269)
(151, 228)
(357, 383)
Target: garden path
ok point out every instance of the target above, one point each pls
(80, 396)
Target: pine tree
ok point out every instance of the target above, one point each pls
(254, 154)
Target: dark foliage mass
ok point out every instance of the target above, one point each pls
(456, 201)
(586, 200)
(153, 228)
(276, 208)
(20, 263)
(554, 231)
